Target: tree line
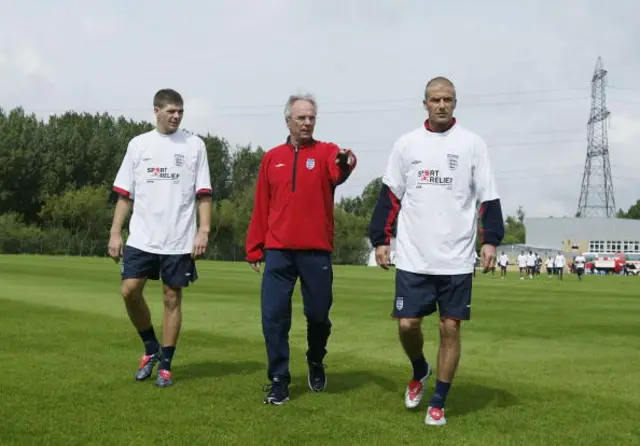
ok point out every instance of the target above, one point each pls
(56, 198)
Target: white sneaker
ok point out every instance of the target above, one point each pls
(435, 417)
(415, 391)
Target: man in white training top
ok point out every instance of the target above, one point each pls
(503, 261)
(164, 174)
(579, 263)
(435, 176)
(559, 263)
(522, 264)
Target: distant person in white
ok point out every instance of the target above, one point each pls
(558, 264)
(164, 174)
(503, 261)
(579, 263)
(531, 264)
(522, 264)
(434, 178)
(550, 266)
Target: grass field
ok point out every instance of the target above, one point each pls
(544, 362)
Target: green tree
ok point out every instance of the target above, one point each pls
(514, 230)
(632, 213)
(56, 198)
(350, 241)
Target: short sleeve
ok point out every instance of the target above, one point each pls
(203, 177)
(394, 176)
(483, 178)
(124, 183)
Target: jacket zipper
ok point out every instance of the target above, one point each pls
(295, 164)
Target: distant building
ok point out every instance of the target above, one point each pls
(596, 235)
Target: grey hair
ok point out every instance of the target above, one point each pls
(299, 97)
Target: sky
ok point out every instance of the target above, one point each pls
(522, 72)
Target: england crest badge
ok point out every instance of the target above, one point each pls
(311, 163)
(453, 161)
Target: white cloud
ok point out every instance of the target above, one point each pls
(29, 62)
(624, 129)
(236, 61)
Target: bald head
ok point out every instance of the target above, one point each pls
(439, 81)
(440, 102)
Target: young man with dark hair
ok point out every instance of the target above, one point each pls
(163, 177)
(434, 177)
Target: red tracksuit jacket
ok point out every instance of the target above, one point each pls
(294, 199)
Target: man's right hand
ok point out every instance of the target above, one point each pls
(115, 246)
(255, 266)
(383, 256)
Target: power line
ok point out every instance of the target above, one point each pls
(496, 146)
(416, 100)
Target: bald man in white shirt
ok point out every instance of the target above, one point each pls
(435, 176)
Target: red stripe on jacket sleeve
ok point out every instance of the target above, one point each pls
(383, 219)
(391, 218)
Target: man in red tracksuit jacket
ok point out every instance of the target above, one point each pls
(292, 230)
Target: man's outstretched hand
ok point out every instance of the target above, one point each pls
(345, 156)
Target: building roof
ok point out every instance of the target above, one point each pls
(582, 228)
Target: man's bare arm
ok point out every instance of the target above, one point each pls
(123, 207)
(204, 228)
(205, 207)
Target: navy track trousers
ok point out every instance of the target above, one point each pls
(282, 269)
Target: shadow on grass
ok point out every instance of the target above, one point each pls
(466, 398)
(211, 369)
(341, 382)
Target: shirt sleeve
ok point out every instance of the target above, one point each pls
(483, 178)
(124, 184)
(385, 213)
(395, 174)
(203, 177)
(492, 231)
(259, 223)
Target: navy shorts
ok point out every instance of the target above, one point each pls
(419, 295)
(177, 271)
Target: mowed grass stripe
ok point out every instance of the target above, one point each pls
(563, 371)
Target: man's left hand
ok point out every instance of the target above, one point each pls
(345, 156)
(200, 244)
(488, 257)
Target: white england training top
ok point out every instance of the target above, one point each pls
(522, 261)
(503, 260)
(438, 177)
(162, 174)
(531, 260)
(580, 261)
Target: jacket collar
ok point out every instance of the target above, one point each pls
(430, 129)
(308, 144)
